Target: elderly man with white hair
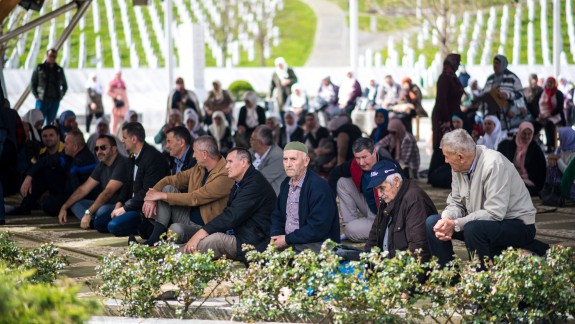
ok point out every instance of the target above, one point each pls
(400, 222)
(306, 212)
(489, 206)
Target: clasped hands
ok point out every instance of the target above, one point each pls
(150, 202)
(444, 229)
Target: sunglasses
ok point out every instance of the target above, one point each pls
(98, 148)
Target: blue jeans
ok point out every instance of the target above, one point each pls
(49, 109)
(100, 217)
(482, 237)
(125, 224)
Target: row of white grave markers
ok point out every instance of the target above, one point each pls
(517, 35)
(570, 27)
(158, 29)
(35, 46)
(14, 59)
(145, 37)
(487, 55)
(114, 46)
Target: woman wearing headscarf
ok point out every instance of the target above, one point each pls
(409, 104)
(118, 92)
(298, 102)
(251, 116)
(174, 119)
(349, 91)
(527, 157)
(326, 100)
(220, 130)
(103, 128)
(291, 131)
(275, 125)
(131, 117)
(94, 107)
(503, 95)
(551, 111)
(558, 164)
(192, 123)
(493, 134)
(402, 146)
(218, 100)
(66, 123)
(447, 103)
(344, 133)
(381, 123)
(282, 80)
(34, 118)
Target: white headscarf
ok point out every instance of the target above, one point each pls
(492, 140)
(32, 117)
(295, 100)
(281, 72)
(191, 114)
(251, 112)
(100, 121)
(218, 131)
(290, 129)
(129, 115)
(93, 84)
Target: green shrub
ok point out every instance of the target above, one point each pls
(515, 288)
(44, 260)
(239, 88)
(23, 301)
(137, 275)
(314, 287)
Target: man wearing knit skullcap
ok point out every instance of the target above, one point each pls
(306, 212)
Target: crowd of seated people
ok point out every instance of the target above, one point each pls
(221, 183)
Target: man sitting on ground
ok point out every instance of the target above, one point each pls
(400, 224)
(60, 174)
(489, 206)
(250, 204)
(267, 156)
(148, 167)
(110, 175)
(306, 212)
(51, 145)
(350, 180)
(189, 199)
(178, 145)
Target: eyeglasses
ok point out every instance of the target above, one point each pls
(98, 148)
(52, 56)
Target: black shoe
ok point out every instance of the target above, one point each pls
(132, 239)
(20, 210)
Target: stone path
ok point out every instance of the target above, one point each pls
(331, 43)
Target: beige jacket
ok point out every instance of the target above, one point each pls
(211, 197)
(495, 192)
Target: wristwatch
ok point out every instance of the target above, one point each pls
(456, 228)
(87, 212)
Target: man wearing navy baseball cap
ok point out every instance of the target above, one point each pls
(404, 207)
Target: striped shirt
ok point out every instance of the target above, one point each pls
(292, 208)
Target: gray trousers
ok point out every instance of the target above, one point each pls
(222, 244)
(178, 216)
(357, 217)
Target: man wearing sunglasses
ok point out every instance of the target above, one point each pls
(48, 85)
(110, 175)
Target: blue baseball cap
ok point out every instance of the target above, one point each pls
(380, 171)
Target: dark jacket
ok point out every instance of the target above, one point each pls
(226, 142)
(189, 162)
(152, 167)
(350, 169)
(39, 83)
(296, 136)
(76, 170)
(321, 133)
(247, 212)
(408, 212)
(318, 214)
(535, 162)
(243, 113)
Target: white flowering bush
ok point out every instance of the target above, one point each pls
(45, 260)
(515, 288)
(136, 276)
